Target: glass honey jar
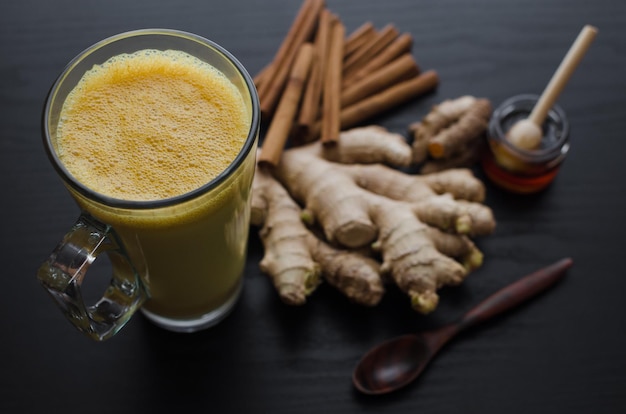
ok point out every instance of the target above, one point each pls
(519, 170)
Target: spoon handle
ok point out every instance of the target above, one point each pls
(516, 293)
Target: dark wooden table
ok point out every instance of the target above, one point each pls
(563, 353)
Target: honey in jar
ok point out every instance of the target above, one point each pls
(519, 170)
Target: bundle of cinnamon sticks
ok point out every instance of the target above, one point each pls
(321, 82)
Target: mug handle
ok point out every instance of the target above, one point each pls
(64, 271)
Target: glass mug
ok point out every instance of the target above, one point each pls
(179, 260)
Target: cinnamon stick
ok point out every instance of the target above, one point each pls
(286, 47)
(384, 101)
(282, 121)
(370, 50)
(386, 76)
(300, 31)
(389, 98)
(399, 46)
(312, 98)
(358, 38)
(331, 109)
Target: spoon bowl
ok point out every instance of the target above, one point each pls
(397, 362)
(391, 365)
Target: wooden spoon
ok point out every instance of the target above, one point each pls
(526, 133)
(397, 362)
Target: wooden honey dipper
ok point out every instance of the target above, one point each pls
(527, 133)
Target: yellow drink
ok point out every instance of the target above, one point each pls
(152, 126)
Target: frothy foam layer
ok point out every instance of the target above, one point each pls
(151, 125)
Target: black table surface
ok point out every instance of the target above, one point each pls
(563, 352)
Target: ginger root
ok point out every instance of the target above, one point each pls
(295, 258)
(420, 225)
(450, 135)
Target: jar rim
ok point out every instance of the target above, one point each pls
(527, 102)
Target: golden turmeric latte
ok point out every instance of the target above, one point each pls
(151, 125)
